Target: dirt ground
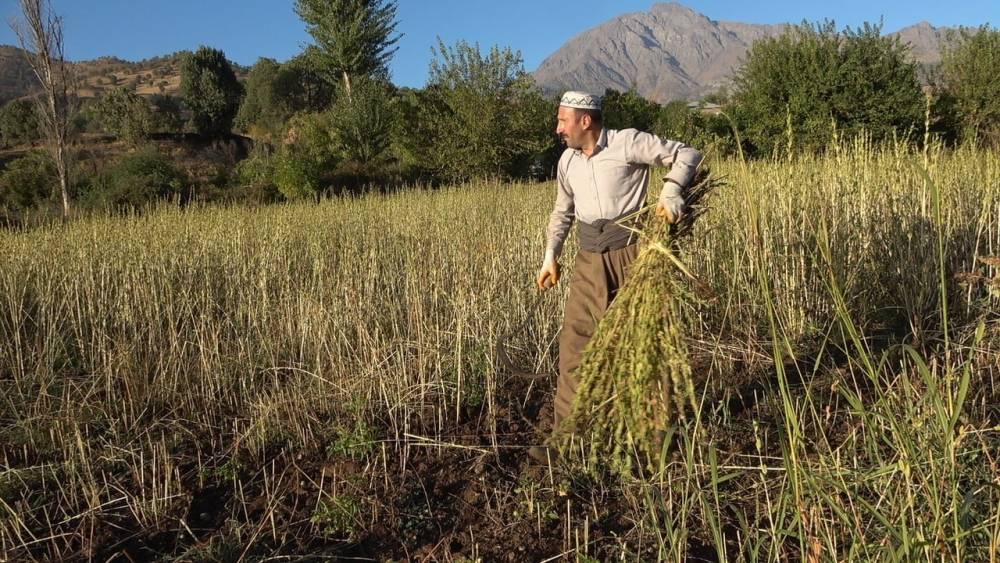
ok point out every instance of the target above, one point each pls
(455, 500)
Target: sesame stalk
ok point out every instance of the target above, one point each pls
(635, 373)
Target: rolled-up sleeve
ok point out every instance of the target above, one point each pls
(562, 214)
(682, 159)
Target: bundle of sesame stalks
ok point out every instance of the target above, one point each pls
(635, 375)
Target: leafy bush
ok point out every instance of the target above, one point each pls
(629, 110)
(166, 113)
(480, 115)
(210, 90)
(257, 168)
(308, 154)
(971, 82)
(137, 180)
(795, 89)
(86, 118)
(361, 123)
(19, 122)
(28, 181)
(255, 176)
(126, 115)
(296, 175)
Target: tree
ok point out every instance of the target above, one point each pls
(793, 89)
(19, 122)
(166, 113)
(312, 91)
(676, 121)
(361, 124)
(261, 112)
(695, 127)
(353, 37)
(878, 90)
(126, 115)
(210, 90)
(276, 91)
(969, 64)
(27, 181)
(307, 155)
(479, 116)
(137, 180)
(41, 39)
(629, 110)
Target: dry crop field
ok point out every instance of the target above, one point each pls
(343, 379)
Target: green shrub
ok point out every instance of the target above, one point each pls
(296, 175)
(210, 90)
(137, 180)
(972, 84)
(257, 168)
(308, 155)
(480, 115)
(361, 124)
(254, 176)
(28, 181)
(797, 90)
(19, 122)
(126, 115)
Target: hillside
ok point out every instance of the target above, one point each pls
(157, 75)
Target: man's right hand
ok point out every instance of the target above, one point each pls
(549, 275)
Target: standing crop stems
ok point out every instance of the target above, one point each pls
(844, 377)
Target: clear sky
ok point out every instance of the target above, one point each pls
(248, 29)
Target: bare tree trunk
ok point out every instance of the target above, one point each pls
(347, 83)
(41, 38)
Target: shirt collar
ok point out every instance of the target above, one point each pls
(602, 142)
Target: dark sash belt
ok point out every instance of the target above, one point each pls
(604, 235)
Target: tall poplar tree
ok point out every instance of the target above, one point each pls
(353, 37)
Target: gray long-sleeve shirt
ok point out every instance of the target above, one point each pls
(612, 182)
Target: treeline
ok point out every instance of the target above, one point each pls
(329, 120)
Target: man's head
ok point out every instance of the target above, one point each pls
(579, 119)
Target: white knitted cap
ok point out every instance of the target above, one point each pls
(581, 100)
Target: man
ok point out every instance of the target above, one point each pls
(601, 177)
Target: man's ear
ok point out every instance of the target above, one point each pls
(586, 121)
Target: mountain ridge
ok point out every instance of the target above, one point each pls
(673, 52)
(155, 75)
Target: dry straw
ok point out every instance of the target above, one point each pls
(635, 374)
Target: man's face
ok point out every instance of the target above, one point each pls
(570, 127)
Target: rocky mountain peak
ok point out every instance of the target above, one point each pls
(673, 52)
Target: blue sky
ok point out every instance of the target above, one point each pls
(248, 29)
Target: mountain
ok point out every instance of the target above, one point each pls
(16, 77)
(157, 75)
(672, 52)
(925, 41)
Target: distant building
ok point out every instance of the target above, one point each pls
(705, 108)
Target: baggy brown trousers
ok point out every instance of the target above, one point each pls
(597, 276)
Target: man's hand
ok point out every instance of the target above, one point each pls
(671, 204)
(548, 276)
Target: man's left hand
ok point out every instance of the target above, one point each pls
(671, 204)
